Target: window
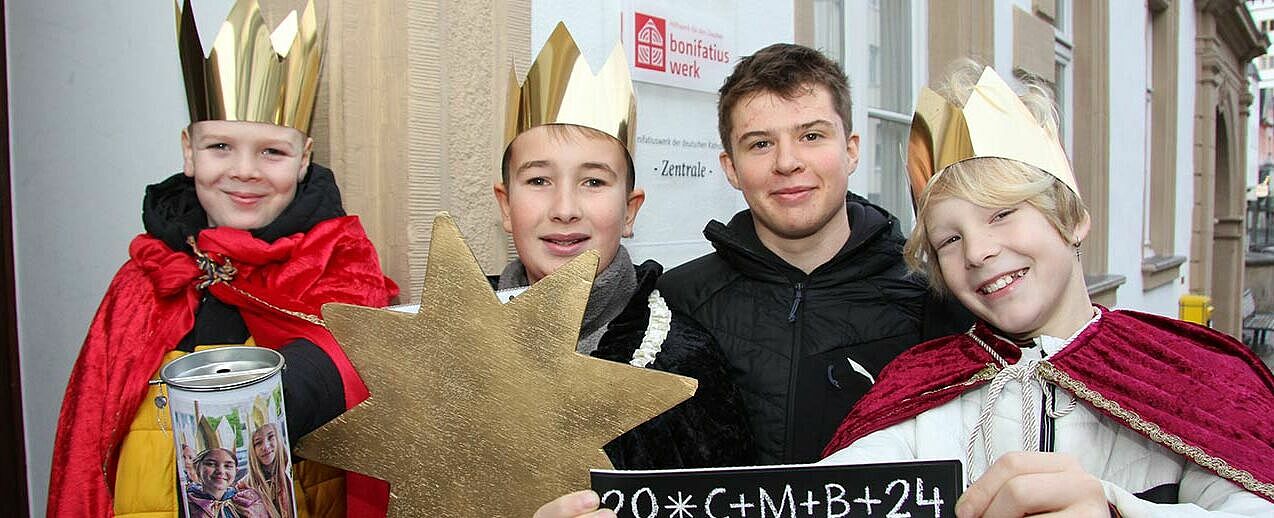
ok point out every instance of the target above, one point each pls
(1160, 264)
(873, 66)
(1063, 56)
(1043, 54)
(829, 28)
(888, 100)
(879, 62)
(1147, 248)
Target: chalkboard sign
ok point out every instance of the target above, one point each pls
(926, 489)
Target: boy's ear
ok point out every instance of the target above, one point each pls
(187, 153)
(305, 159)
(727, 165)
(635, 199)
(502, 197)
(1081, 229)
(851, 149)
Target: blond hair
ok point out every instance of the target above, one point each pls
(270, 481)
(991, 181)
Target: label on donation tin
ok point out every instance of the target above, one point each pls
(230, 432)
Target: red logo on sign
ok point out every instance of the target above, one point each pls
(651, 42)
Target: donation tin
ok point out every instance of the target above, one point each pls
(230, 432)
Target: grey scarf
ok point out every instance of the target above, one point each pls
(612, 289)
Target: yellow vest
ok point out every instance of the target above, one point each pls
(146, 476)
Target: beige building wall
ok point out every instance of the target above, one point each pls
(1091, 149)
(960, 29)
(410, 117)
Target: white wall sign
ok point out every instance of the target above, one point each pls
(676, 163)
(678, 44)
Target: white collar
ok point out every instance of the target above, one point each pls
(1052, 345)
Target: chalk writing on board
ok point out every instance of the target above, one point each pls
(899, 490)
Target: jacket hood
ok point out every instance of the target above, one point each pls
(875, 243)
(171, 209)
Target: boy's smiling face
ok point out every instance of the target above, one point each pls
(245, 172)
(567, 192)
(1009, 266)
(791, 158)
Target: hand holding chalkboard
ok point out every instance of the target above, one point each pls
(1028, 483)
(895, 490)
(580, 504)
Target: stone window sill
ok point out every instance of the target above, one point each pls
(1259, 259)
(1102, 287)
(1160, 270)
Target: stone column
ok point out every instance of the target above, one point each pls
(1226, 40)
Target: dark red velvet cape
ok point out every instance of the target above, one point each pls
(1198, 384)
(151, 305)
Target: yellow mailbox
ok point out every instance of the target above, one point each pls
(1196, 308)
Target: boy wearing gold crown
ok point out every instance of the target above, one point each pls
(1054, 404)
(567, 186)
(212, 492)
(243, 246)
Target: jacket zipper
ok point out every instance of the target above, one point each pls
(790, 423)
(1047, 424)
(796, 301)
(1048, 427)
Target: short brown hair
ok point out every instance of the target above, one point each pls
(788, 71)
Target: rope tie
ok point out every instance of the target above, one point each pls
(222, 507)
(1024, 373)
(1028, 374)
(212, 272)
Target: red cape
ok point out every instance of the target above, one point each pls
(151, 305)
(1196, 391)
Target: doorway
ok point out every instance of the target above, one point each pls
(13, 486)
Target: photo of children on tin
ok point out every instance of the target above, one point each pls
(233, 458)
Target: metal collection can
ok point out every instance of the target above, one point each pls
(230, 432)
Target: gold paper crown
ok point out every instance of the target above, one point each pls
(188, 439)
(262, 414)
(993, 123)
(220, 436)
(251, 74)
(560, 88)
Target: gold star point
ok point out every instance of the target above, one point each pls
(480, 408)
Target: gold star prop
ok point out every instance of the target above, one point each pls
(479, 408)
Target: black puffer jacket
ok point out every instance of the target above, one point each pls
(805, 347)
